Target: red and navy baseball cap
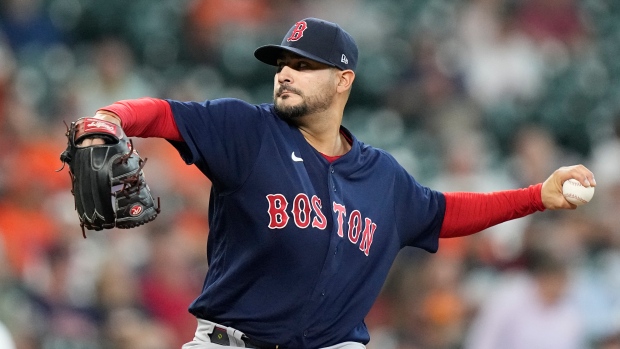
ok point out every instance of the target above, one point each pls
(316, 39)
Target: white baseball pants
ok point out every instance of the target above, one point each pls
(205, 328)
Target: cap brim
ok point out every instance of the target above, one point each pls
(269, 54)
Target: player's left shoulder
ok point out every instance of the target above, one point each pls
(370, 158)
(378, 154)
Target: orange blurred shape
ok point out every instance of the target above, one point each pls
(443, 308)
(26, 234)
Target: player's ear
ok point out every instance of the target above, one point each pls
(345, 80)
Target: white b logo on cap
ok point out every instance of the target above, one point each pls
(298, 32)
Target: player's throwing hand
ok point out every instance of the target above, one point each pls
(552, 195)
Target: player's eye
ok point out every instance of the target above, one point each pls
(281, 64)
(296, 65)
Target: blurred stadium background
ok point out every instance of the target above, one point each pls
(469, 95)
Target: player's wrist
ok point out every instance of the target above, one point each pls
(108, 116)
(536, 198)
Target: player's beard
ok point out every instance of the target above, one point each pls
(309, 105)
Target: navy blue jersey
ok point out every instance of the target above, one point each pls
(298, 247)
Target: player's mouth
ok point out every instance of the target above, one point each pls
(285, 91)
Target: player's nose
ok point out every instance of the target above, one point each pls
(284, 75)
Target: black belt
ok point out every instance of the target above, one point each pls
(220, 336)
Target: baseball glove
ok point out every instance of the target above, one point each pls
(107, 180)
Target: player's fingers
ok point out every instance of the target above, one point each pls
(86, 142)
(552, 195)
(582, 174)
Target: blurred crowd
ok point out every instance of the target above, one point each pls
(468, 95)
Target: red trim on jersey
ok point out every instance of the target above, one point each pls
(469, 213)
(346, 136)
(331, 159)
(146, 117)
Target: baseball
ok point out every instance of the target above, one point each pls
(575, 193)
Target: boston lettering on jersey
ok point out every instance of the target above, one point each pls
(307, 212)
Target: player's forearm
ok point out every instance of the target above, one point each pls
(469, 213)
(144, 117)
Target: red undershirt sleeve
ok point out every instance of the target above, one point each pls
(469, 213)
(146, 117)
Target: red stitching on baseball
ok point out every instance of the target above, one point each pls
(571, 195)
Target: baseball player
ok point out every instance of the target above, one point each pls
(305, 219)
